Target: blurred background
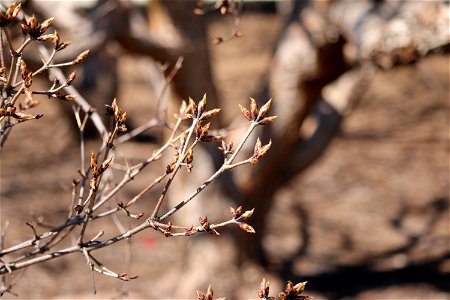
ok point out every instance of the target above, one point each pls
(353, 196)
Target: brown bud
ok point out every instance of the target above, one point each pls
(247, 214)
(71, 77)
(203, 220)
(253, 109)
(200, 295)
(93, 159)
(201, 106)
(210, 113)
(23, 68)
(62, 46)
(299, 287)
(267, 120)
(16, 9)
(209, 293)
(48, 37)
(236, 212)
(245, 112)
(33, 22)
(246, 227)
(193, 107)
(106, 164)
(69, 97)
(198, 129)
(81, 57)
(123, 117)
(205, 130)
(182, 111)
(46, 24)
(263, 110)
(259, 150)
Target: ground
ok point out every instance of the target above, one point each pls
(369, 220)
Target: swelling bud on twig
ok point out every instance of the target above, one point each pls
(208, 295)
(256, 114)
(260, 151)
(81, 57)
(10, 14)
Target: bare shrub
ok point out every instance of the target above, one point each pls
(94, 188)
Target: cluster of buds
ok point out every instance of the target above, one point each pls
(203, 135)
(58, 45)
(291, 292)
(97, 170)
(208, 295)
(259, 151)
(189, 158)
(10, 15)
(206, 226)
(264, 291)
(240, 217)
(198, 111)
(26, 74)
(71, 78)
(81, 57)
(171, 166)
(227, 149)
(33, 28)
(256, 114)
(119, 115)
(21, 117)
(168, 231)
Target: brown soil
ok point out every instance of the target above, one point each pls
(369, 220)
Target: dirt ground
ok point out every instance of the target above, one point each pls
(369, 220)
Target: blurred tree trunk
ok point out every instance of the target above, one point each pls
(323, 61)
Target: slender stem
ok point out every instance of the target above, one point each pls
(93, 191)
(181, 158)
(13, 54)
(2, 55)
(76, 248)
(22, 47)
(241, 144)
(195, 193)
(169, 182)
(131, 174)
(158, 111)
(66, 64)
(149, 124)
